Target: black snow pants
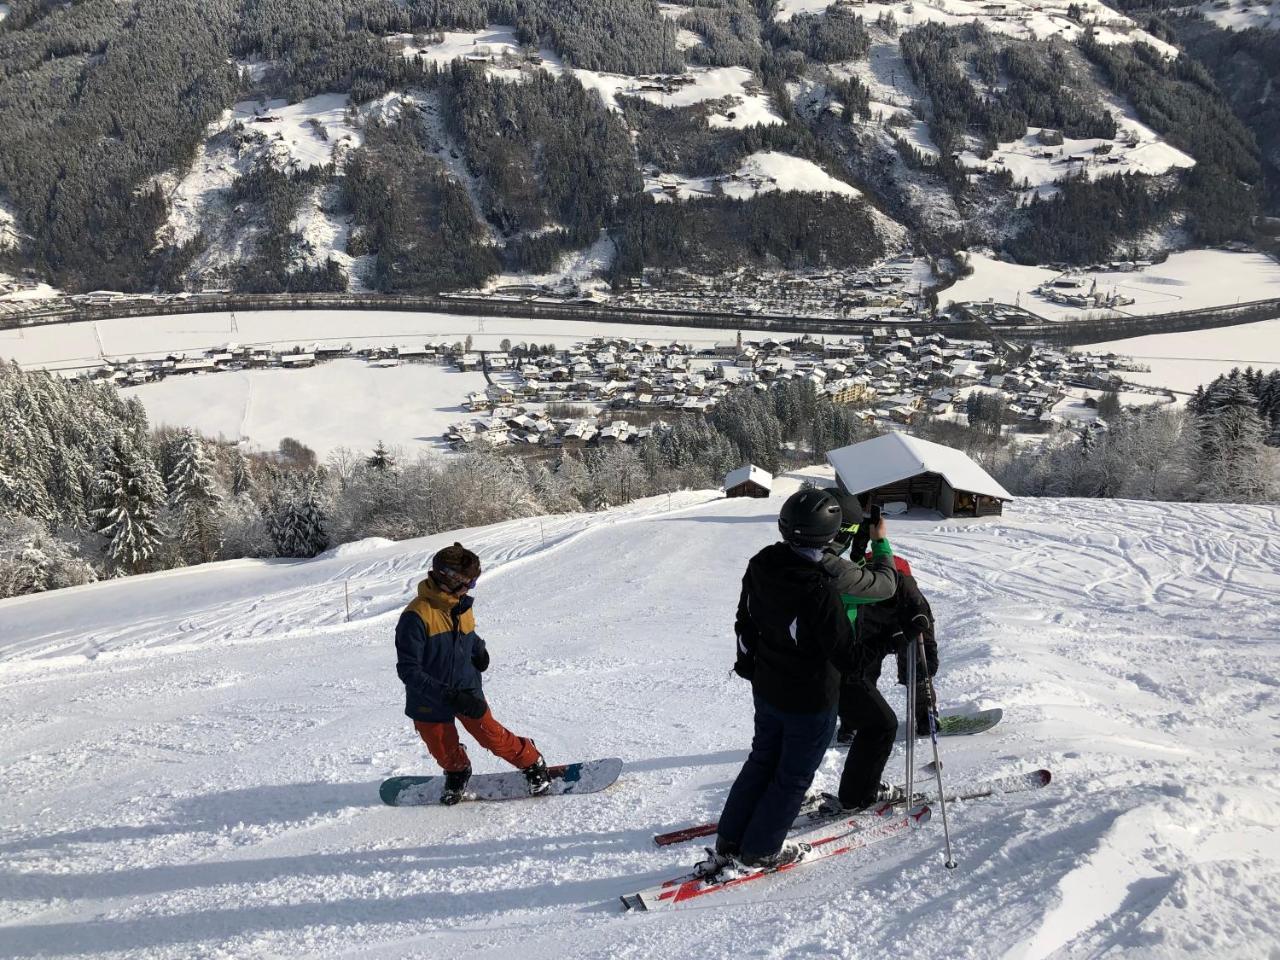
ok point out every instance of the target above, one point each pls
(863, 708)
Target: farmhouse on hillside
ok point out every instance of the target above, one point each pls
(748, 481)
(898, 468)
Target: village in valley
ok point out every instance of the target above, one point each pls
(615, 389)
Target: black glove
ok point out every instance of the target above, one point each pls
(466, 703)
(930, 649)
(745, 665)
(902, 645)
(480, 660)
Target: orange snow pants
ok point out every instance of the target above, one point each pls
(443, 744)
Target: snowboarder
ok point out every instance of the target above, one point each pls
(440, 659)
(888, 627)
(867, 722)
(794, 640)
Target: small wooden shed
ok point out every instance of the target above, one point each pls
(748, 481)
(899, 468)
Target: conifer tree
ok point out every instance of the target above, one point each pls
(195, 496)
(130, 496)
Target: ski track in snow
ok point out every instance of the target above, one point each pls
(190, 760)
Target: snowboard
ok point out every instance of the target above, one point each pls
(959, 724)
(952, 724)
(588, 777)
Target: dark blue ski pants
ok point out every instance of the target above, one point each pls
(765, 799)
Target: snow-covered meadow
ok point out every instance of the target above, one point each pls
(1030, 20)
(1242, 14)
(190, 760)
(82, 346)
(1184, 361)
(345, 403)
(1036, 167)
(1190, 280)
(761, 172)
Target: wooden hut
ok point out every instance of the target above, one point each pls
(748, 481)
(896, 468)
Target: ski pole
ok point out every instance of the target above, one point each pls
(932, 697)
(911, 724)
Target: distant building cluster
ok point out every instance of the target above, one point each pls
(616, 389)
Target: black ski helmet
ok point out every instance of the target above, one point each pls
(809, 518)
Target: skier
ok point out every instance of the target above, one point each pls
(867, 722)
(794, 639)
(439, 660)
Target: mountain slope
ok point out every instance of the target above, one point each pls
(191, 760)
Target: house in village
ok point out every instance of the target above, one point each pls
(902, 469)
(748, 481)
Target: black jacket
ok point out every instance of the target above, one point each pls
(794, 639)
(881, 628)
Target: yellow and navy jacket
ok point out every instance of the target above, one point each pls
(437, 650)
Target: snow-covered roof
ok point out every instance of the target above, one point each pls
(748, 472)
(896, 456)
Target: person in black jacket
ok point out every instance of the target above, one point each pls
(794, 641)
(887, 628)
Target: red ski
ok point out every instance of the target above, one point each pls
(828, 840)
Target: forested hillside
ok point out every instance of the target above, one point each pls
(429, 145)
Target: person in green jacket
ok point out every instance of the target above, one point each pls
(861, 704)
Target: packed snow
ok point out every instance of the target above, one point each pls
(191, 759)
(1184, 361)
(343, 403)
(1029, 20)
(82, 346)
(761, 172)
(1189, 280)
(4, 10)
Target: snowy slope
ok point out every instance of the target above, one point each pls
(190, 760)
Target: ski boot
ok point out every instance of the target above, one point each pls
(792, 851)
(539, 779)
(715, 861)
(454, 784)
(890, 793)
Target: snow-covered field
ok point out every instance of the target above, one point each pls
(345, 403)
(1036, 167)
(80, 346)
(1242, 14)
(191, 760)
(1184, 361)
(1185, 281)
(1029, 20)
(759, 173)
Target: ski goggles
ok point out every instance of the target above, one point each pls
(455, 580)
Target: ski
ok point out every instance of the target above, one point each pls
(810, 816)
(828, 840)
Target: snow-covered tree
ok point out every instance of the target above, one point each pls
(1233, 462)
(380, 459)
(196, 498)
(33, 560)
(297, 522)
(130, 496)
